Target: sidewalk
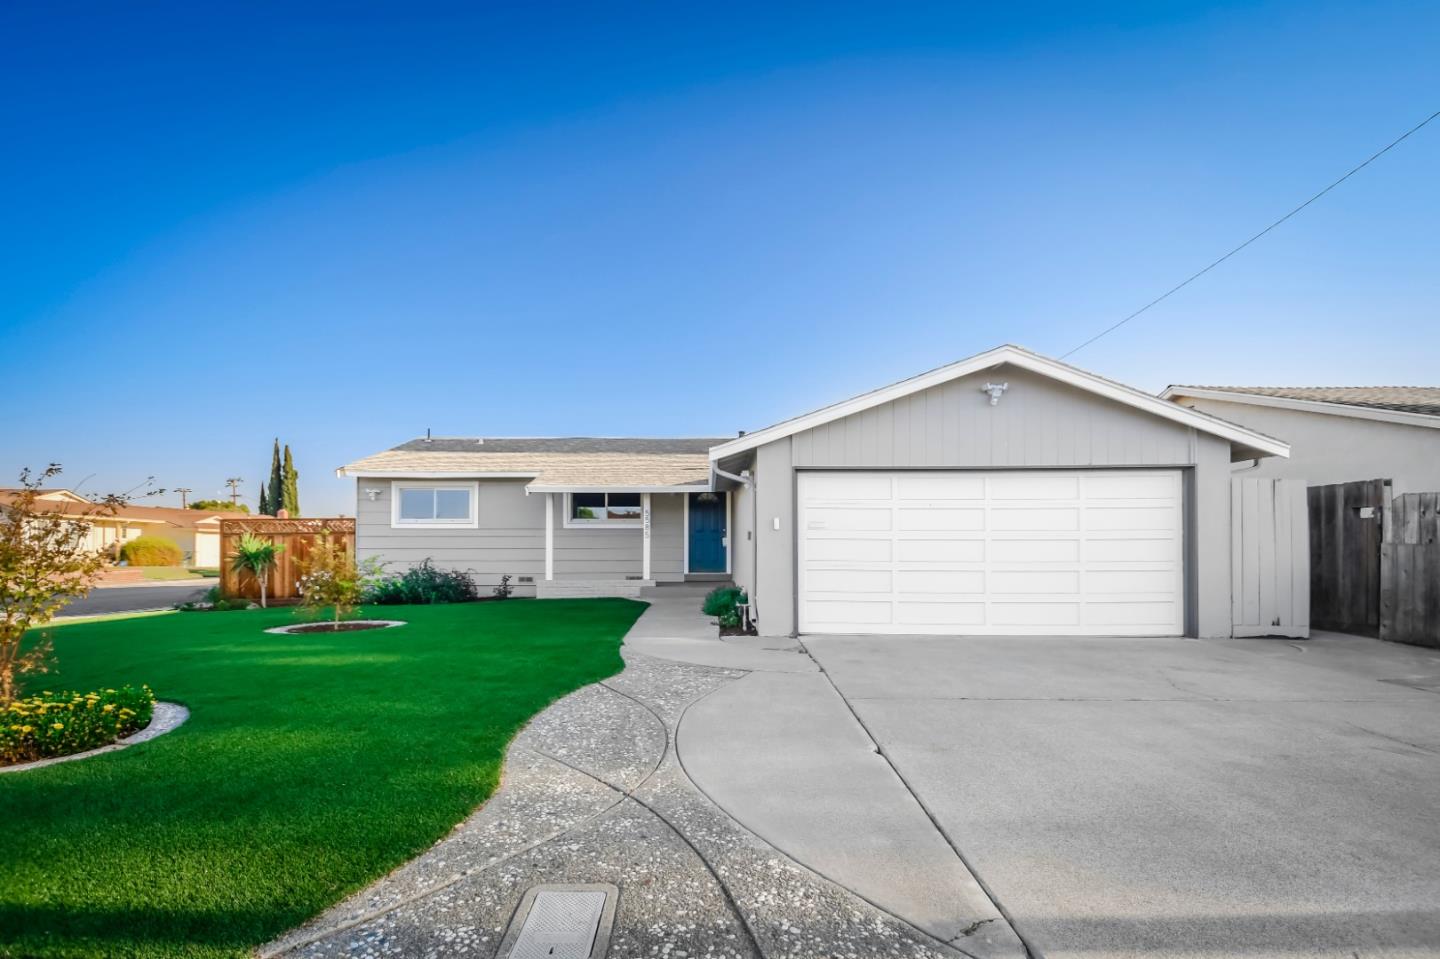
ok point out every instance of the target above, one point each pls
(594, 792)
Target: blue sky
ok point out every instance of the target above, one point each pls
(344, 223)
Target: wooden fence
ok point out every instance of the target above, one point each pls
(297, 536)
(1410, 571)
(1345, 536)
(1270, 567)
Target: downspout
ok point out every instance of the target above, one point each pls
(1254, 464)
(744, 480)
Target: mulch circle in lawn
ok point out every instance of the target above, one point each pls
(344, 626)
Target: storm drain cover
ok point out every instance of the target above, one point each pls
(562, 922)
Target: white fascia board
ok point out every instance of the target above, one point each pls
(431, 474)
(594, 488)
(1305, 406)
(1024, 359)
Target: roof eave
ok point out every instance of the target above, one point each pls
(1024, 359)
(1241, 398)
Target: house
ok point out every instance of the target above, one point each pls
(1007, 493)
(196, 532)
(1339, 433)
(106, 532)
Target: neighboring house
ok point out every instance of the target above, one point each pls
(1004, 494)
(1339, 433)
(196, 532)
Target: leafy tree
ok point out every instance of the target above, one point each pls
(331, 579)
(277, 480)
(256, 557)
(290, 486)
(221, 506)
(46, 561)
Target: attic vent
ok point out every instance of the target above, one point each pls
(526, 579)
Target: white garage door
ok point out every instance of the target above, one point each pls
(1095, 552)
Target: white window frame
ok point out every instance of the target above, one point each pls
(572, 523)
(470, 522)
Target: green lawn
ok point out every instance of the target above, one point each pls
(310, 766)
(169, 573)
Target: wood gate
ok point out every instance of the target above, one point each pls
(1410, 571)
(1345, 537)
(1270, 565)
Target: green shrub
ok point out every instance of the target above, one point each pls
(721, 600)
(151, 551)
(423, 583)
(59, 724)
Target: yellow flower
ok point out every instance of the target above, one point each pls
(57, 725)
(109, 707)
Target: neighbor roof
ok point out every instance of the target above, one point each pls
(1248, 439)
(552, 464)
(1424, 400)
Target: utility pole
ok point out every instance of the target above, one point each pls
(184, 491)
(234, 484)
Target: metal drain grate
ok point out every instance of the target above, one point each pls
(562, 922)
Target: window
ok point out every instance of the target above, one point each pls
(604, 509)
(434, 504)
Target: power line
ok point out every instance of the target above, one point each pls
(1195, 276)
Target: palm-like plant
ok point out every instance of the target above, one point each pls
(256, 557)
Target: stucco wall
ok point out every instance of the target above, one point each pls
(1327, 449)
(510, 538)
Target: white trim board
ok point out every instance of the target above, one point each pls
(1023, 359)
(1303, 406)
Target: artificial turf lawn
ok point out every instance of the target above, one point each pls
(311, 765)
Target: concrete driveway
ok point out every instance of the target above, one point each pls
(1163, 797)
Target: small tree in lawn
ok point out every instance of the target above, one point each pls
(46, 560)
(331, 579)
(256, 557)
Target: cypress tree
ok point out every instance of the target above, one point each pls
(264, 501)
(277, 481)
(290, 486)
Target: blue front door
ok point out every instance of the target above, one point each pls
(707, 532)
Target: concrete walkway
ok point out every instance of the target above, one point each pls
(595, 791)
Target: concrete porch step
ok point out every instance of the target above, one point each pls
(585, 588)
(679, 590)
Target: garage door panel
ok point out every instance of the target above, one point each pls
(1130, 550)
(941, 551)
(1004, 553)
(1033, 486)
(939, 486)
(1035, 550)
(927, 519)
(1035, 614)
(940, 614)
(843, 519)
(1034, 581)
(940, 581)
(1034, 518)
(851, 581)
(1130, 518)
(1130, 614)
(850, 550)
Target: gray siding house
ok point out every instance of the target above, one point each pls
(1339, 433)
(1006, 494)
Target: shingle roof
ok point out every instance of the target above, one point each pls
(597, 462)
(1403, 399)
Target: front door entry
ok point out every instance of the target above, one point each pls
(707, 532)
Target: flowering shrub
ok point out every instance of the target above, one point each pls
(331, 579)
(58, 724)
(423, 583)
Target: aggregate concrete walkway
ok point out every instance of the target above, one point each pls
(595, 791)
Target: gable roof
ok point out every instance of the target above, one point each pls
(1415, 405)
(552, 464)
(1024, 359)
